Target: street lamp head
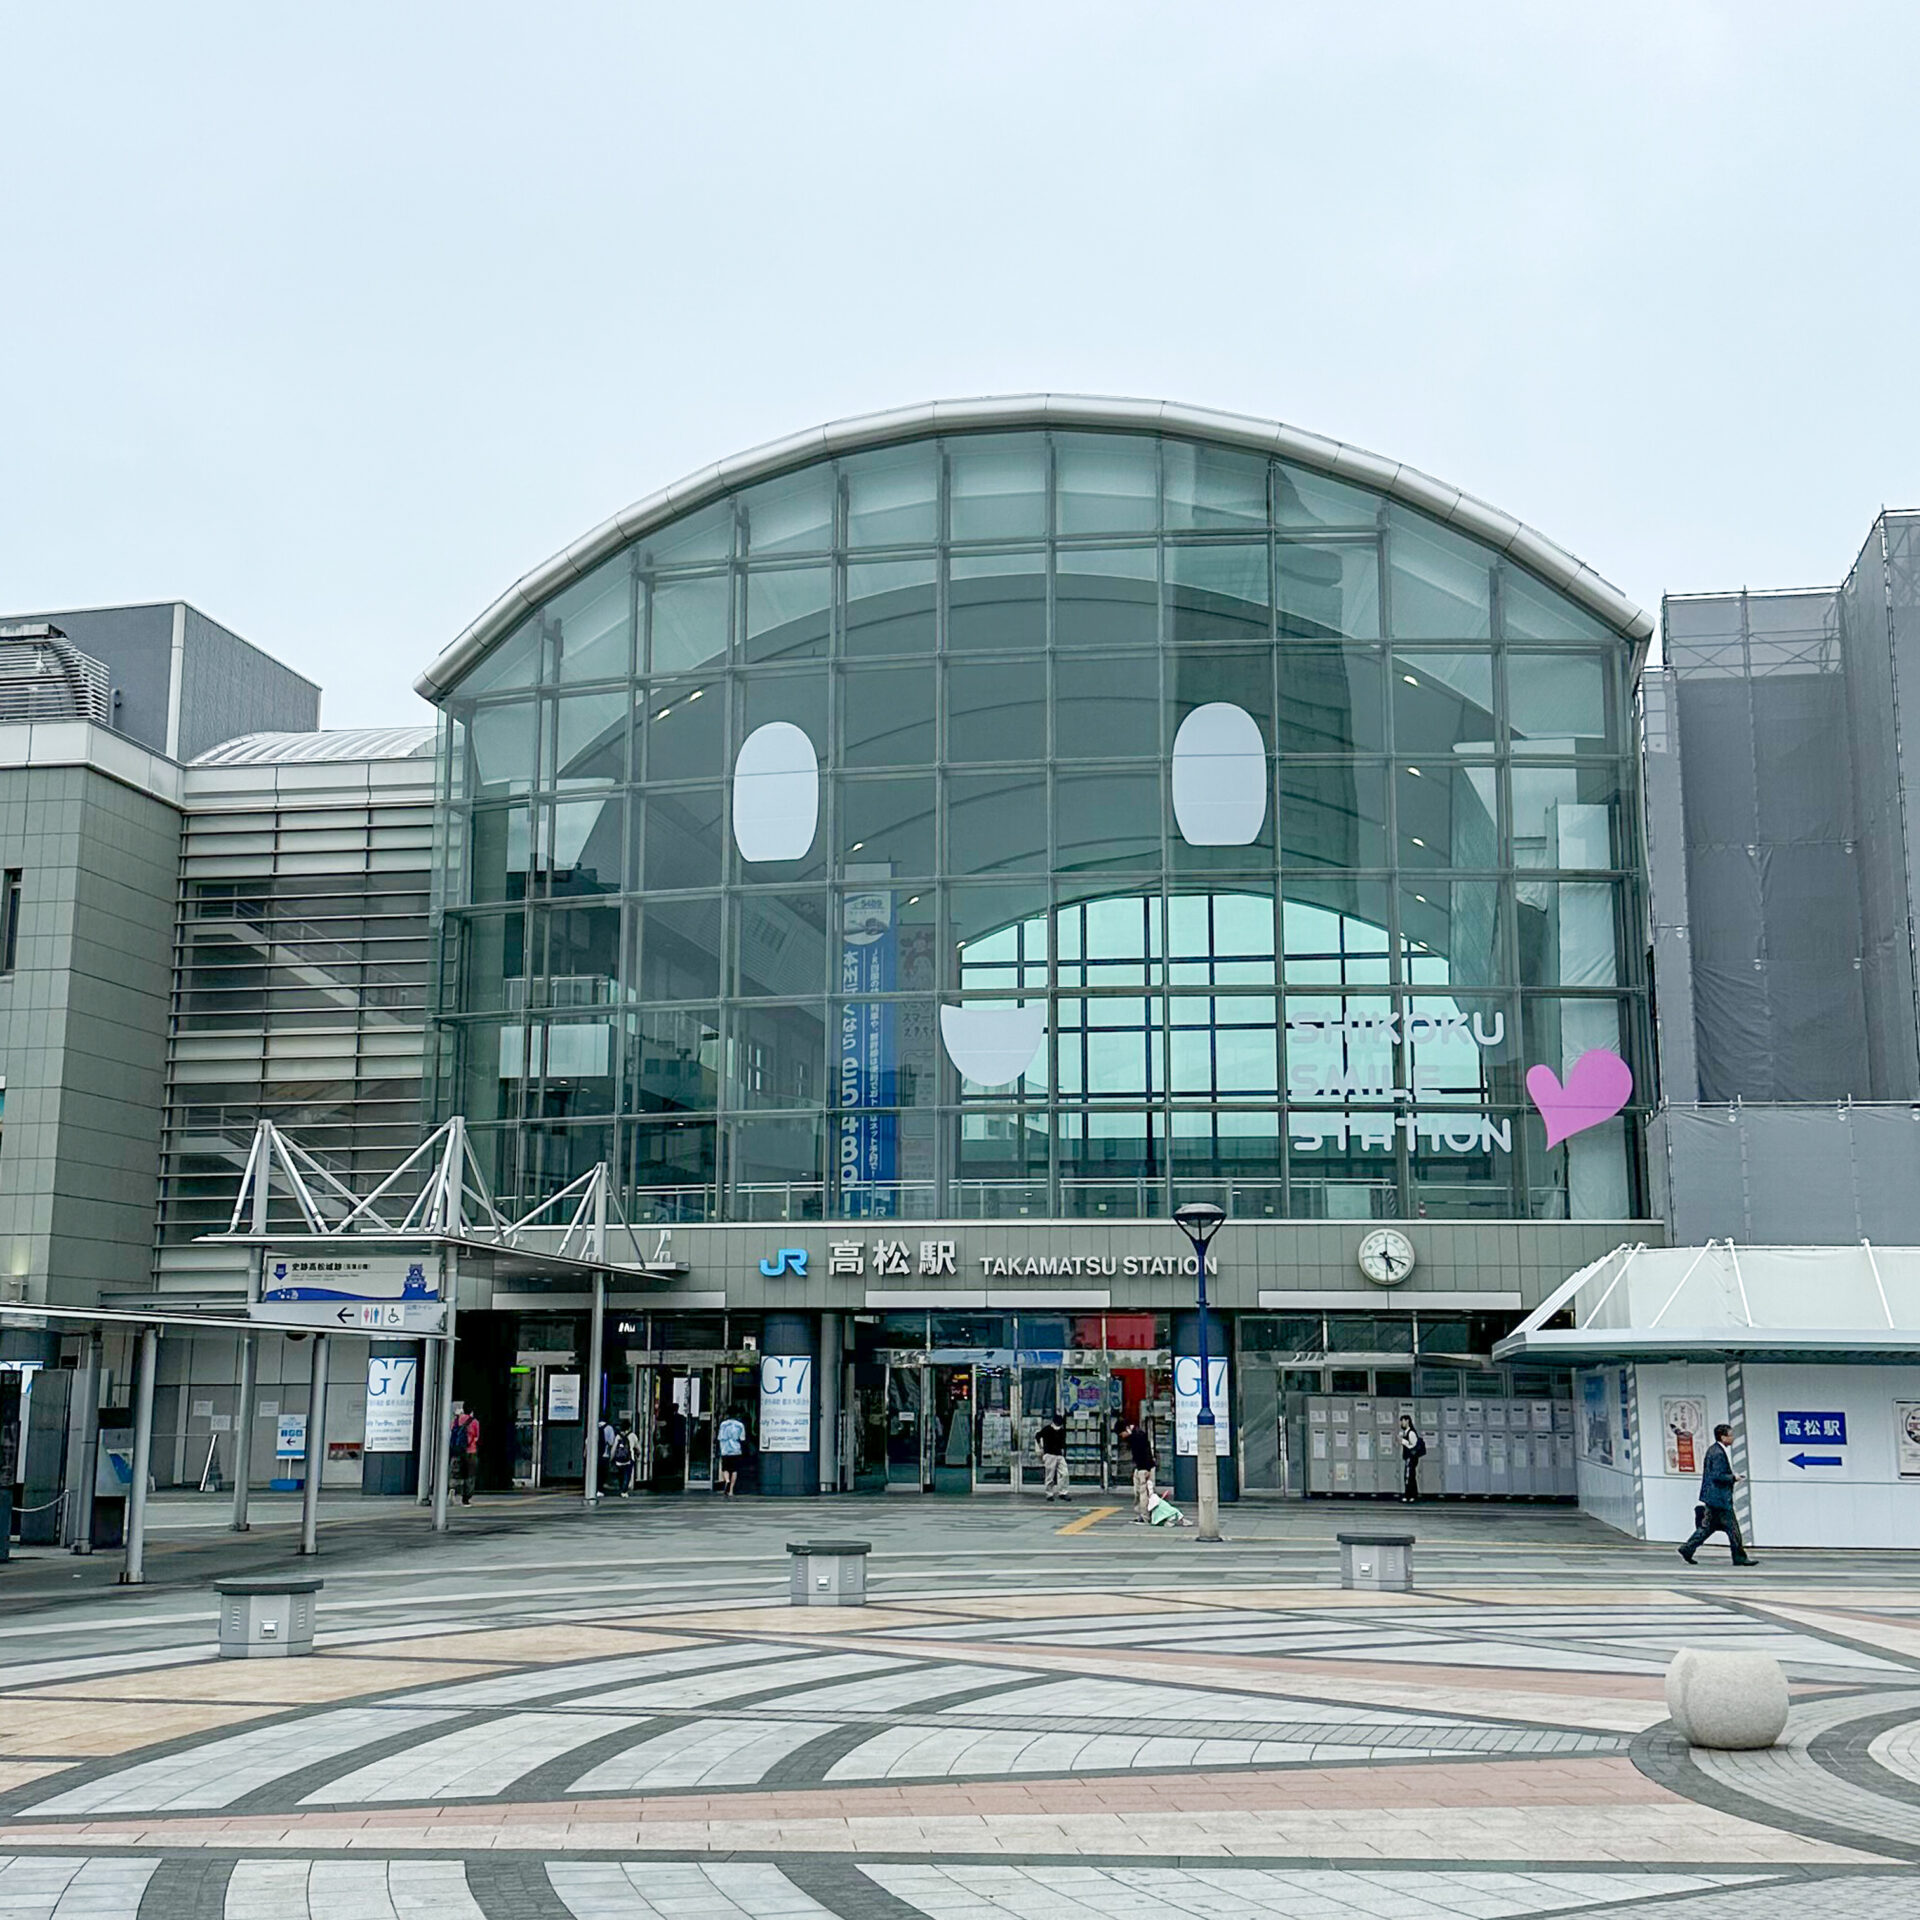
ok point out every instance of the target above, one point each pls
(1199, 1220)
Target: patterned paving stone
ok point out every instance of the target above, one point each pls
(470, 1763)
(350, 1890)
(223, 1771)
(975, 1892)
(726, 1891)
(65, 1887)
(704, 1753)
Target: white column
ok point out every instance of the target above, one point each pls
(134, 1572)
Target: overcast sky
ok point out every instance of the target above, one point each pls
(336, 319)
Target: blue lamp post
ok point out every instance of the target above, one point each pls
(1200, 1221)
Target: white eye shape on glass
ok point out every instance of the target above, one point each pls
(776, 793)
(1219, 777)
(993, 1045)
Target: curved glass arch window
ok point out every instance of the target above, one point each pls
(678, 947)
(672, 1062)
(589, 628)
(513, 664)
(1332, 814)
(1106, 707)
(1327, 592)
(997, 710)
(997, 486)
(586, 745)
(1218, 592)
(1213, 488)
(793, 514)
(1304, 499)
(681, 841)
(581, 845)
(997, 601)
(1531, 610)
(697, 538)
(996, 822)
(1106, 483)
(1089, 591)
(687, 621)
(500, 750)
(789, 612)
(893, 496)
(1336, 932)
(1109, 821)
(1220, 939)
(1557, 703)
(886, 825)
(887, 716)
(1447, 816)
(1442, 584)
(1443, 702)
(1107, 597)
(891, 606)
(1109, 940)
(683, 731)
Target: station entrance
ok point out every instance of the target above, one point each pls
(953, 1403)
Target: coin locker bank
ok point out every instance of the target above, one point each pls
(1477, 1449)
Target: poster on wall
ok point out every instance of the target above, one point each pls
(1186, 1405)
(391, 1387)
(1597, 1443)
(1906, 1437)
(563, 1396)
(1683, 1426)
(786, 1403)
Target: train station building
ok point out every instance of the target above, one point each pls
(914, 859)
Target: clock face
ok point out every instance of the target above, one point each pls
(1386, 1256)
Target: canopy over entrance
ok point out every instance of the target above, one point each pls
(1723, 1301)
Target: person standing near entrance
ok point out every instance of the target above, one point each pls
(1715, 1513)
(1413, 1450)
(733, 1443)
(621, 1459)
(1140, 1448)
(463, 1453)
(1052, 1442)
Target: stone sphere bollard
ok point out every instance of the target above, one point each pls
(1731, 1701)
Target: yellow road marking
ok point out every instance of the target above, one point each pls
(1090, 1518)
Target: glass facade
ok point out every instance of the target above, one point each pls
(1302, 977)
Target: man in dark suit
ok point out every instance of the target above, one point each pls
(1716, 1503)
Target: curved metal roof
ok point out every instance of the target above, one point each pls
(1449, 505)
(336, 743)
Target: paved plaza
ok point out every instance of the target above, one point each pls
(615, 1716)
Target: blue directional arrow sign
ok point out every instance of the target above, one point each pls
(1805, 1460)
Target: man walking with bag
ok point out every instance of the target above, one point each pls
(1715, 1513)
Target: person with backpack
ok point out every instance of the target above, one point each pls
(621, 1461)
(463, 1452)
(1413, 1449)
(606, 1437)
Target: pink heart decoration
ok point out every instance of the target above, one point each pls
(1600, 1084)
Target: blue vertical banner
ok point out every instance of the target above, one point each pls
(867, 1146)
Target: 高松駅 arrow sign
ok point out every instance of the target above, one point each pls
(1806, 1460)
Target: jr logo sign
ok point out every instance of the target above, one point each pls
(791, 1260)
